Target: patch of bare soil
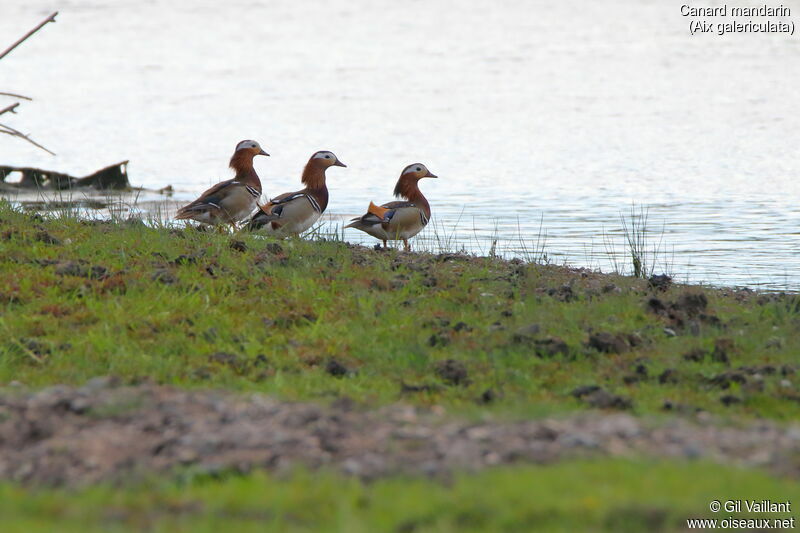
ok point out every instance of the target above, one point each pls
(101, 432)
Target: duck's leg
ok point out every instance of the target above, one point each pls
(384, 244)
(406, 246)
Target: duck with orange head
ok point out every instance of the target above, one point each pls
(292, 213)
(399, 220)
(230, 201)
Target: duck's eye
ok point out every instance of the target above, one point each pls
(253, 146)
(418, 169)
(327, 157)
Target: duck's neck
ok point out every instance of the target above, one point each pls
(314, 180)
(408, 189)
(242, 164)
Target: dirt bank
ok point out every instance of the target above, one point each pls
(100, 432)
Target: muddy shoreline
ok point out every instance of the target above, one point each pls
(102, 432)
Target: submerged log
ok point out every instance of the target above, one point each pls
(112, 177)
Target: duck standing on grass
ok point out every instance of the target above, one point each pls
(230, 201)
(294, 212)
(403, 219)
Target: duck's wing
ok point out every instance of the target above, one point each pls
(229, 197)
(290, 207)
(381, 214)
(210, 200)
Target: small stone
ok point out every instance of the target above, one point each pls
(164, 276)
(668, 376)
(184, 259)
(101, 382)
(452, 372)
(186, 455)
(693, 303)
(335, 368)
(526, 333)
(610, 287)
(46, 238)
(661, 283)
(634, 339)
(695, 355)
(774, 343)
(722, 347)
(725, 379)
(583, 390)
(70, 268)
(550, 347)
(238, 246)
(730, 399)
(488, 396)
(602, 399)
(273, 248)
(79, 405)
(438, 340)
(608, 342)
(223, 358)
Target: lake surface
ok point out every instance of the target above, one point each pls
(552, 115)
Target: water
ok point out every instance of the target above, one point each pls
(531, 112)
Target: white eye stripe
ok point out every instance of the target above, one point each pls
(415, 168)
(248, 143)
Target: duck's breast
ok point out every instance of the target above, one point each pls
(238, 204)
(405, 223)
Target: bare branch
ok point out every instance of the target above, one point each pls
(51, 18)
(10, 108)
(8, 130)
(12, 95)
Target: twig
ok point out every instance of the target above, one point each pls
(51, 18)
(10, 108)
(16, 133)
(12, 95)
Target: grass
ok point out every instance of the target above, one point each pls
(643, 252)
(610, 495)
(87, 298)
(82, 298)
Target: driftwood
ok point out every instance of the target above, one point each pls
(112, 177)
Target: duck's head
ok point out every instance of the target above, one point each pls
(417, 171)
(314, 173)
(326, 159)
(250, 147)
(407, 184)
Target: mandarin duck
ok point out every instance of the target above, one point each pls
(232, 200)
(292, 213)
(399, 220)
